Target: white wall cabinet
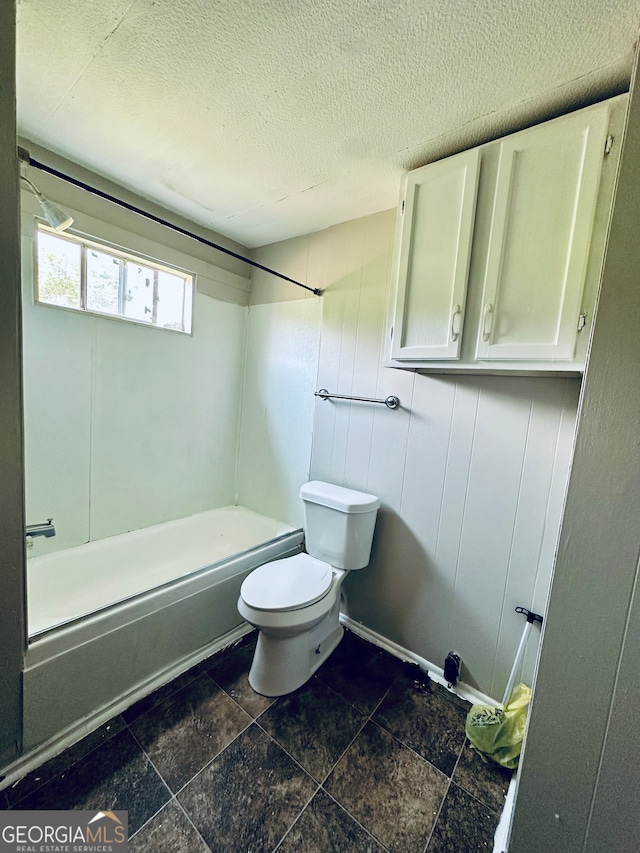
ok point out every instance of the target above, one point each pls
(439, 211)
(499, 249)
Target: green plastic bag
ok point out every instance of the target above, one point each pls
(498, 732)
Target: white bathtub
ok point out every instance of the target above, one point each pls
(114, 619)
(69, 584)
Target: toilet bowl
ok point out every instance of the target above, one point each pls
(298, 636)
(295, 602)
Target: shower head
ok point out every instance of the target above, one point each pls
(57, 219)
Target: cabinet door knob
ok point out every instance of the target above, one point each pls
(456, 323)
(487, 321)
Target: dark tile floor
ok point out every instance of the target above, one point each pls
(367, 756)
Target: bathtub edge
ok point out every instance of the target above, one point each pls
(72, 679)
(79, 729)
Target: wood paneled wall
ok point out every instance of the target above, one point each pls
(471, 471)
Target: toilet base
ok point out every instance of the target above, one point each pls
(282, 664)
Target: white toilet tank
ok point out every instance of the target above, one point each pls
(338, 524)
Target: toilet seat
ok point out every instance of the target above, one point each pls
(288, 584)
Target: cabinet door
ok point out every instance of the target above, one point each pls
(434, 253)
(545, 200)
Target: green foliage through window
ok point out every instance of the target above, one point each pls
(87, 276)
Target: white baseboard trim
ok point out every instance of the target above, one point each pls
(464, 691)
(72, 734)
(38, 756)
(501, 836)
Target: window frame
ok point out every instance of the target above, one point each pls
(85, 243)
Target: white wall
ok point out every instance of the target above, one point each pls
(281, 365)
(471, 471)
(128, 426)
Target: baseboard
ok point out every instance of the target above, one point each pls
(67, 737)
(38, 756)
(464, 691)
(501, 836)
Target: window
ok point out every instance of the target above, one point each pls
(86, 276)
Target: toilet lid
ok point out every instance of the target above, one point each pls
(287, 584)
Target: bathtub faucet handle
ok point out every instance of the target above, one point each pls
(45, 529)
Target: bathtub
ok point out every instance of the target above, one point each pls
(114, 619)
(67, 585)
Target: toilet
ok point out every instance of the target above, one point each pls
(295, 602)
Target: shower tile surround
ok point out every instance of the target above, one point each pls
(365, 757)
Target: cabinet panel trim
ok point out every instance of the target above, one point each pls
(441, 325)
(589, 129)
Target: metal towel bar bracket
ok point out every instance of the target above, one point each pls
(389, 402)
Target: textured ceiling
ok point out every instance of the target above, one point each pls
(264, 119)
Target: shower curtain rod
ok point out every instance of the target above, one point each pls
(27, 158)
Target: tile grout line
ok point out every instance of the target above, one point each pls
(411, 749)
(200, 671)
(216, 756)
(320, 786)
(478, 800)
(445, 795)
(188, 817)
(213, 758)
(367, 719)
(462, 788)
(481, 802)
(173, 799)
(251, 721)
(355, 819)
(160, 776)
(304, 770)
(408, 746)
(470, 793)
(126, 726)
(403, 744)
(333, 690)
(302, 810)
(437, 817)
(65, 769)
(155, 814)
(421, 757)
(171, 794)
(286, 752)
(457, 762)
